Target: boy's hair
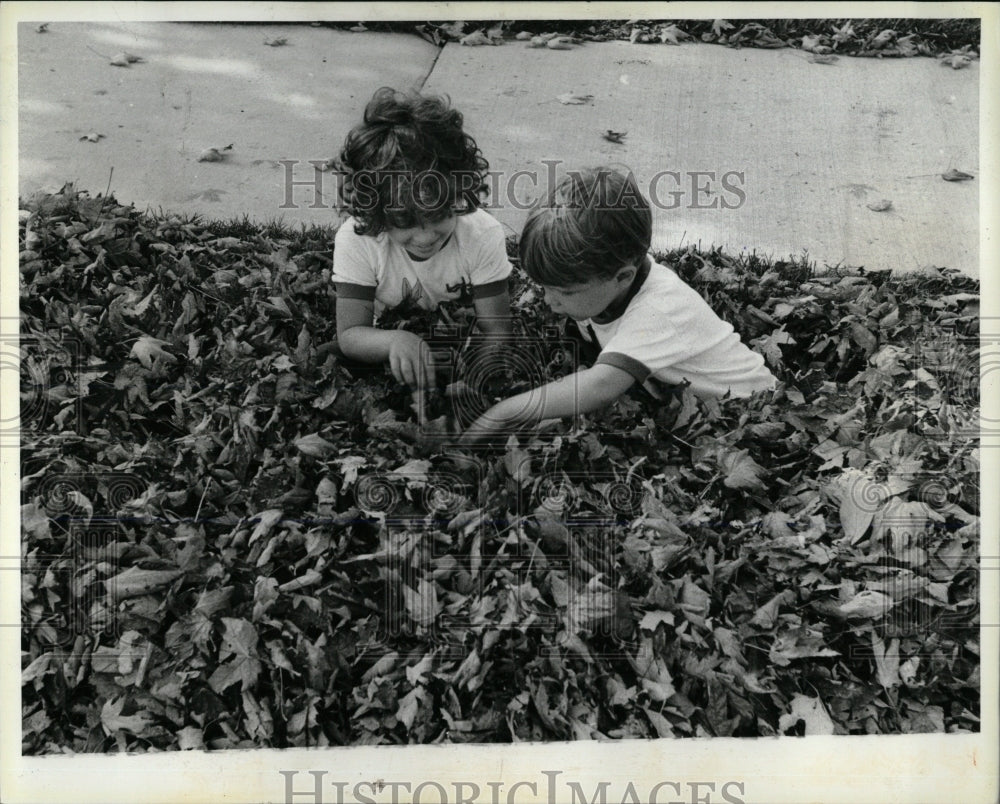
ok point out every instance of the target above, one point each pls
(408, 163)
(589, 226)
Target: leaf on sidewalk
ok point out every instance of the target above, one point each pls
(574, 99)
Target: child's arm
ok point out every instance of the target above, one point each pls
(587, 390)
(493, 316)
(409, 357)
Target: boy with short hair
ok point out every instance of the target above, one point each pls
(586, 244)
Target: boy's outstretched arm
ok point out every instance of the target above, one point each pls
(586, 390)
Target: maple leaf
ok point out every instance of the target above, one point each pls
(718, 26)
(844, 33)
(671, 34)
(770, 345)
(741, 470)
(239, 640)
(112, 719)
(149, 349)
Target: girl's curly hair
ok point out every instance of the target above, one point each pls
(408, 163)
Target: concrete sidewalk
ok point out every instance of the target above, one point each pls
(752, 150)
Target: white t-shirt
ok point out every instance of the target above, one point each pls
(668, 331)
(376, 268)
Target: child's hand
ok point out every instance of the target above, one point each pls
(411, 361)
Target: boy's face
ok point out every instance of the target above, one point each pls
(583, 300)
(424, 241)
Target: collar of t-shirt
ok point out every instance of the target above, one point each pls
(444, 245)
(617, 309)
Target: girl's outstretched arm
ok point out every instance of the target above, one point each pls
(586, 390)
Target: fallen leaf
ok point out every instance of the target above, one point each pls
(814, 44)
(422, 603)
(359, 28)
(844, 33)
(956, 61)
(670, 34)
(867, 604)
(537, 41)
(214, 154)
(880, 206)
(120, 60)
(742, 471)
(190, 738)
(956, 175)
(767, 615)
(798, 643)
(475, 39)
(276, 42)
(135, 581)
(572, 99)
(718, 26)
(883, 39)
(659, 722)
(614, 136)
(148, 349)
(43, 28)
(811, 712)
(113, 720)
(886, 661)
(453, 30)
(824, 58)
(524, 36)
(315, 446)
(560, 43)
(651, 619)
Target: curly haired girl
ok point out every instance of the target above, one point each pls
(411, 180)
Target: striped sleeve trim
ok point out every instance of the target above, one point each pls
(348, 290)
(490, 289)
(625, 363)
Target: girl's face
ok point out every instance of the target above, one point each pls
(424, 241)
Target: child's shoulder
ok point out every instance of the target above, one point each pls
(478, 222)
(663, 291)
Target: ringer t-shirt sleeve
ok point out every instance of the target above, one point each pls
(354, 269)
(646, 342)
(639, 371)
(491, 268)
